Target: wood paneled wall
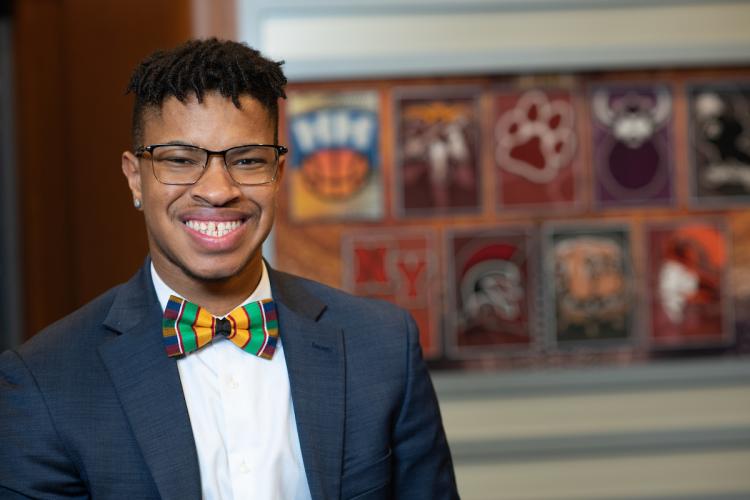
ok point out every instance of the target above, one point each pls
(79, 232)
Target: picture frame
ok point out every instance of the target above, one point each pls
(719, 142)
(590, 285)
(400, 266)
(632, 144)
(536, 148)
(437, 151)
(334, 166)
(689, 303)
(491, 291)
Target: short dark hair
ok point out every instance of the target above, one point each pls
(200, 66)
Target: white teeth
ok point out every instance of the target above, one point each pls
(214, 229)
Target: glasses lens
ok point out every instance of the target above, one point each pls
(178, 164)
(252, 164)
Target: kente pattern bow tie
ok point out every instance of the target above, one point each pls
(252, 327)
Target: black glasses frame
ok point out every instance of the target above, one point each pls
(280, 150)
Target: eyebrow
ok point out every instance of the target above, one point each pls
(179, 143)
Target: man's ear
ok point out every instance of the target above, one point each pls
(280, 173)
(131, 167)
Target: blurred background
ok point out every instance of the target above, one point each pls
(556, 189)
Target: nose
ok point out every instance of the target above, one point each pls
(215, 187)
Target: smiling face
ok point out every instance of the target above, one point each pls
(205, 236)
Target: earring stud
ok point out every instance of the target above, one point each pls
(137, 203)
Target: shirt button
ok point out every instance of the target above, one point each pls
(232, 383)
(244, 468)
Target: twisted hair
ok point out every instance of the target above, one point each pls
(200, 66)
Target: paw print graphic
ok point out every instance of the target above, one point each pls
(536, 138)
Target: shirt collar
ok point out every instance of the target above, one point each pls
(262, 291)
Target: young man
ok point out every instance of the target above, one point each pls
(188, 381)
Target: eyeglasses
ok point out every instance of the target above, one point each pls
(182, 164)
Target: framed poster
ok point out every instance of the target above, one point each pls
(334, 170)
(590, 286)
(400, 266)
(490, 295)
(689, 303)
(720, 142)
(632, 145)
(437, 145)
(536, 149)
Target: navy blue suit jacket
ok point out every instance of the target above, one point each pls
(93, 407)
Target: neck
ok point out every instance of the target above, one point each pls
(217, 296)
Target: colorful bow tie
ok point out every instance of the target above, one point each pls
(252, 327)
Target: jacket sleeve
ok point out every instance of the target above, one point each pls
(423, 468)
(33, 459)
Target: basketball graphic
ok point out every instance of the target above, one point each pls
(335, 173)
(334, 161)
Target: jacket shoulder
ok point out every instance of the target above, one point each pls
(339, 302)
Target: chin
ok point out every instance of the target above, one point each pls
(209, 273)
(209, 276)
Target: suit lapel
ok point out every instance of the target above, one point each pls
(315, 363)
(148, 386)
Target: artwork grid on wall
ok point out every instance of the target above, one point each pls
(632, 111)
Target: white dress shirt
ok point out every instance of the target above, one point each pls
(242, 417)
